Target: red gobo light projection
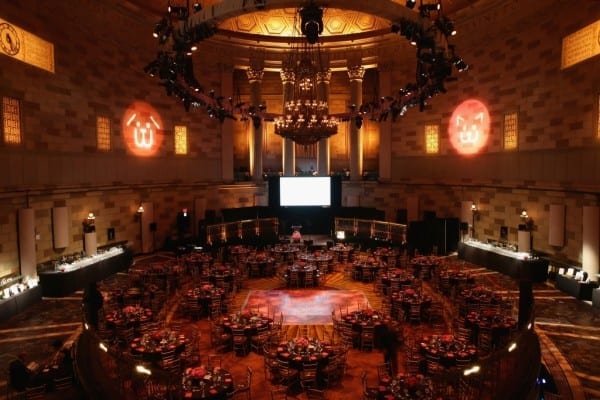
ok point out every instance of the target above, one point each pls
(469, 127)
(142, 129)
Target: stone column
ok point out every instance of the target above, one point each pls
(385, 127)
(255, 76)
(356, 74)
(227, 130)
(289, 148)
(323, 80)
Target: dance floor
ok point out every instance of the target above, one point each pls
(305, 306)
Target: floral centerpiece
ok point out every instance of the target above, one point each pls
(301, 344)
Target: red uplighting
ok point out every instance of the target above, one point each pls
(469, 127)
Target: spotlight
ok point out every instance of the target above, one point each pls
(160, 26)
(425, 9)
(446, 26)
(460, 64)
(411, 3)
(179, 12)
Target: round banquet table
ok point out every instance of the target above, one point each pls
(285, 253)
(404, 300)
(302, 350)
(128, 316)
(303, 270)
(499, 324)
(397, 278)
(362, 318)
(367, 268)
(424, 264)
(406, 387)
(203, 295)
(150, 346)
(202, 383)
(448, 348)
(248, 321)
(385, 254)
(261, 263)
(458, 278)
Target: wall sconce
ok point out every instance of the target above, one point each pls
(89, 223)
(140, 209)
(524, 214)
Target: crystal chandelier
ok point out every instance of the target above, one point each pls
(305, 118)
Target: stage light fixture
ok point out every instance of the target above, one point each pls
(411, 3)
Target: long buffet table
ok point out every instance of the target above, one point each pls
(19, 302)
(516, 265)
(63, 283)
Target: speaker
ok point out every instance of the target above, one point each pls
(110, 233)
(402, 216)
(152, 226)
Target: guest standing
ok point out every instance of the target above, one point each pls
(92, 303)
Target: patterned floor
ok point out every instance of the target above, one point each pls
(568, 330)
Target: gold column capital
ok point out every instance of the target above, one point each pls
(287, 75)
(324, 76)
(255, 74)
(356, 73)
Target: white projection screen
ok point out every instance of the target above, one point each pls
(305, 191)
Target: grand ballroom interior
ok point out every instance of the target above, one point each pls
(309, 199)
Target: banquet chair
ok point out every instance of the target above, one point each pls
(240, 341)
(308, 375)
(332, 372)
(309, 279)
(433, 364)
(279, 394)
(294, 278)
(214, 360)
(270, 364)
(245, 387)
(287, 375)
(315, 394)
(369, 392)
(35, 392)
(367, 338)
(258, 340)
(384, 371)
(414, 313)
(411, 365)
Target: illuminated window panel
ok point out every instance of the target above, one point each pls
(511, 131)
(180, 139)
(11, 120)
(432, 139)
(581, 45)
(103, 133)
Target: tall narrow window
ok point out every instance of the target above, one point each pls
(598, 114)
(103, 133)
(511, 130)
(11, 120)
(432, 139)
(181, 139)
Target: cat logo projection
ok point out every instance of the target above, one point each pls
(469, 127)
